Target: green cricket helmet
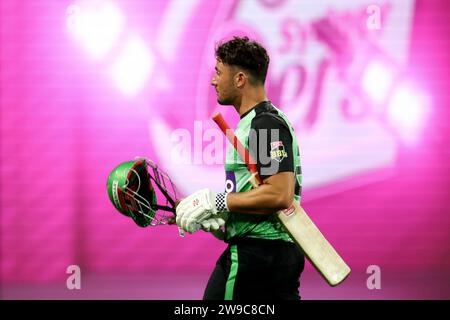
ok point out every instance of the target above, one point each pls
(131, 192)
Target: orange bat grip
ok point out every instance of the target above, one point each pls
(243, 153)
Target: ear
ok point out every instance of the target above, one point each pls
(240, 79)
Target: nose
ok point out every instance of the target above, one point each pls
(213, 82)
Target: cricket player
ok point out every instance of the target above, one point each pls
(261, 260)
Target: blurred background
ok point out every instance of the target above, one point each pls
(85, 85)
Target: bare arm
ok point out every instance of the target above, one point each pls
(276, 193)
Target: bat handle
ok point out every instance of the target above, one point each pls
(240, 149)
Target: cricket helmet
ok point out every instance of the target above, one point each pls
(131, 192)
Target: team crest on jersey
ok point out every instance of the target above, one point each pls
(277, 151)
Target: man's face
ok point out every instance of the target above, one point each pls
(223, 83)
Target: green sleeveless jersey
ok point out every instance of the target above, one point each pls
(267, 134)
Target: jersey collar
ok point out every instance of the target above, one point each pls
(259, 105)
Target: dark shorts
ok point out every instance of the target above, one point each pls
(257, 269)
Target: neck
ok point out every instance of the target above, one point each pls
(250, 99)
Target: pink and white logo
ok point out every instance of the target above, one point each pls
(323, 75)
(276, 144)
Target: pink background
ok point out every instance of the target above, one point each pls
(64, 126)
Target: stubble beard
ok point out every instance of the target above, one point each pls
(225, 101)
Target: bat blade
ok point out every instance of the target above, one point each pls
(297, 223)
(314, 245)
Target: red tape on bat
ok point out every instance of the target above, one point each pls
(243, 153)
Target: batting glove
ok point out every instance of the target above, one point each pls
(198, 207)
(214, 223)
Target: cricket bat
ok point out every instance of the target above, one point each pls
(297, 223)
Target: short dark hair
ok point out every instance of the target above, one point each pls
(247, 54)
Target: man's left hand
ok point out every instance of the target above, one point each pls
(195, 208)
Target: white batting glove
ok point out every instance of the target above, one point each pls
(198, 207)
(214, 223)
(211, 224)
